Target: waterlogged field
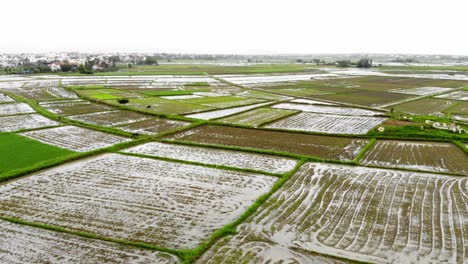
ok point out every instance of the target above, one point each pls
(227, 188)
(426, 106)
(158, 202)
(458, 95)
(364, 214)
(327, 147)
(325, 109)
(152, 126)
(257, 116)
(110, 118)
(422, 90)
(5, 98)
(15, 109)
(20, 244)
(27, 121)
(75, 138)
(73, 107)
(336, 124)
(213, 156)
(224, 112)
(425, 156)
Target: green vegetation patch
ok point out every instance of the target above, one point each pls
(162, 106)
(222, 101)
(198, 84)
(17, 152)
(167, 93)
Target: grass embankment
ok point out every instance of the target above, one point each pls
(17, 152)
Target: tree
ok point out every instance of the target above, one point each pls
(364, 63)
(343, 63)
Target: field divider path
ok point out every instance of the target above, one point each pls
(364, 150)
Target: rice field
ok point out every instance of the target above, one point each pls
(336, 124)
(364, 214)
(458, 95)
(73, 107)
(75, 138)
(327, 147)
(325, 109)
(425, 106)
(27, 121)
(152, 126)
(257, 117)
(60, 92)
(422, 90)
(224, 112)
(15, 109)
(20, 244)
(110, 118)
(5, 98)
(138, 199)
(425, 156)
(213, 156)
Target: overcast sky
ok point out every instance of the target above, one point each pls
(237, 26)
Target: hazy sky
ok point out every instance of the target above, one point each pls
(237, 26)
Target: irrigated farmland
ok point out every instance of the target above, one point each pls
(139, 199)
(15, 109)
(216, 157)
(426, 156)
(337, 124)
(20, 122)
(20, 244)
(75, 138)
(257, 117)
(338, 148)
(364, 214)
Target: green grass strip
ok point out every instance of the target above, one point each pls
(461, 145)
(364, 150)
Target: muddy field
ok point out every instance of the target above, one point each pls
(224, 112)
(340, 148)
(73, 107)
(111, 118)
(5, 98)
(152, 126)
(332, 124)
(158, 202)
(257, 116)
(372, 215)
(213, 156)
(426, 106)
(425, 156)
(75, 138)
(325, 109)
(28, 121)
(21, 244)
(458, 95)
(15, 109)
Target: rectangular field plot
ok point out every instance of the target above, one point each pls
(25, 244)
(60, 92)
(460, 108)
(425, 156)
(110, 118)
(34, 93)
(421, 90)
(223, 101)
(325, 109)
(29, 121)
(159, 105)
(367, 214)
(15, 108)
(73, 107)
(75, 138)
(213, 156)
(367, 98)
(5, 98)
(458, 95)
(327, 147)
(152, 126)
(257, 117)
(426, 106)
(158, 202)
(336, 124)
(224, 112)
